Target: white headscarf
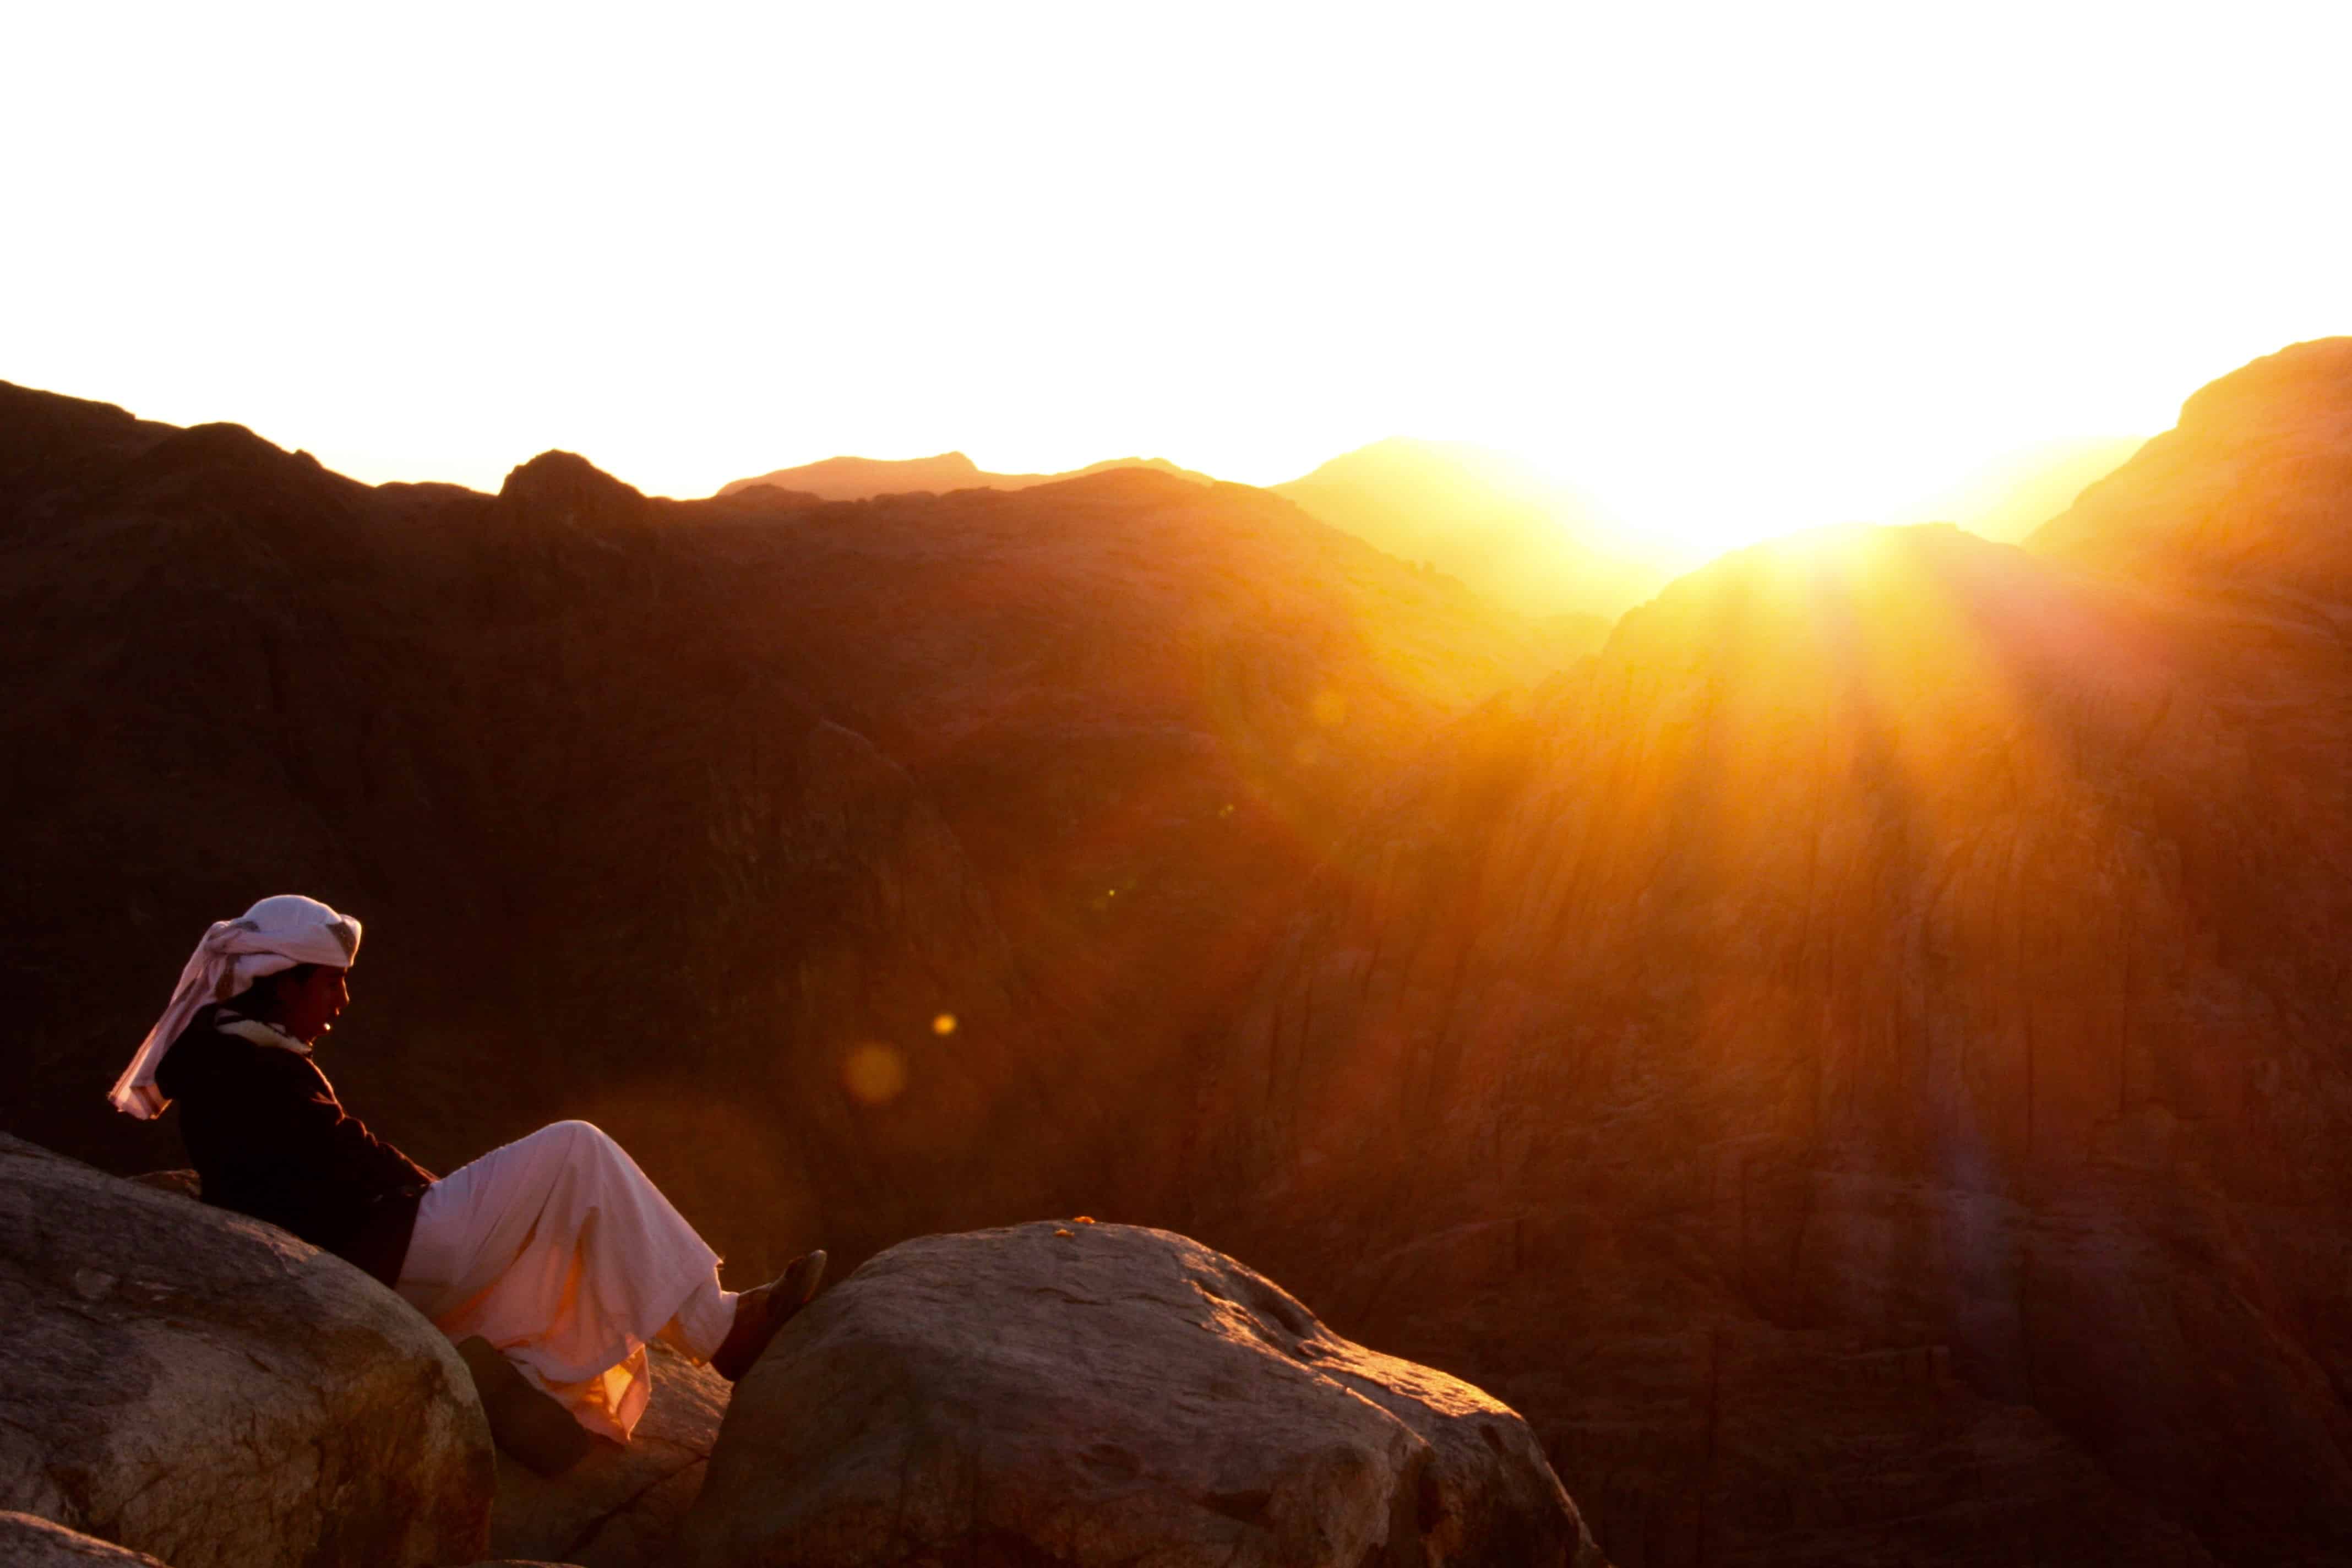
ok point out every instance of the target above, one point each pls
(274, 935)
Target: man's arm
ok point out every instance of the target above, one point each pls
(329, 1139)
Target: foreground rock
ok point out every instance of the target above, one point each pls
(26, 1541)
(619, 1508)
(1090, 1394)
(205, 1388)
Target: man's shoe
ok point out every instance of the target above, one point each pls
(524, 1420)
(762, 1312)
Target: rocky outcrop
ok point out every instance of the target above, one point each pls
(620, 1507)
(201, 1386)
(29, 1542)
(2252, 487)
(1085, 1395)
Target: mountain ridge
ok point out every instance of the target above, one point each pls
(2253, 483)
(1525, 542)
(856, 478)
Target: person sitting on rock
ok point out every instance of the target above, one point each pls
(556, 1249)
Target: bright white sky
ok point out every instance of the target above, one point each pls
(1735, 268)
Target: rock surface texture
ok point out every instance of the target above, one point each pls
(620, 1507)
(29, 1542)
(203, 1387)
(1866, 1066)
(1084, 1396)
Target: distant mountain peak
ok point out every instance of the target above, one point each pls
(222, 446)
(566, 486)
(1481, 516)
(556, 470)
(856, 478)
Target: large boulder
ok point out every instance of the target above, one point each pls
(202, 1386)
(29, 1542)
(1064, 1396)
(620, 1507)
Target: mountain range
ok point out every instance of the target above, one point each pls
(856, 478)
(1863, 1060)
(1510, 533)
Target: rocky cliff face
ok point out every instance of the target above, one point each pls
(2253, 484)
(1886, 1018)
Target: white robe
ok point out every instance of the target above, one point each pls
(563, 1255)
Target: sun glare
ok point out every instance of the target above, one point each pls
(1665, 501)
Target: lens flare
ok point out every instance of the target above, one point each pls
(874, 1073)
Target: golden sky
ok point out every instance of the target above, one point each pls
(1733, 269)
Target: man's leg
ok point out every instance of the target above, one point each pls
(560, 1253)
(700, 1327)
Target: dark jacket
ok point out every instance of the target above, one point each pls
(267, 1135)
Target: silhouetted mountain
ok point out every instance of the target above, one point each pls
(1457, 509)
(1477, 515)
(856, 478)
(1863, 1062)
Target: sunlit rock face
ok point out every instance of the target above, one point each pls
(2254, 483)
(1094, 1395)
(1865, 1068)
